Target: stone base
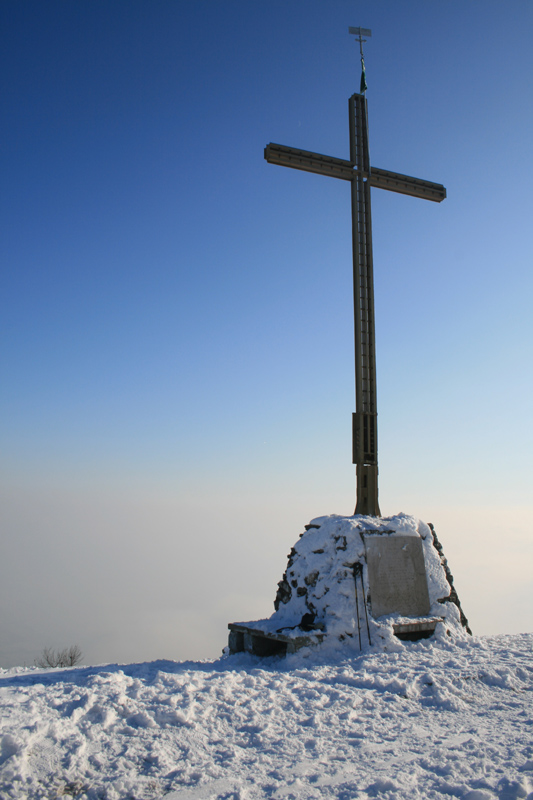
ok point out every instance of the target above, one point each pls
(264, 643)
(360, 579)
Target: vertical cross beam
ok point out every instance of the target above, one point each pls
(364, 427)
(361, 176)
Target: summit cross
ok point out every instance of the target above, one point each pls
(362, 177)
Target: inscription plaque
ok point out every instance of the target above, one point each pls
(396, 575)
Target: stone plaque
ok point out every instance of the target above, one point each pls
(397, 575)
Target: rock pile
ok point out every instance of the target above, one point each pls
(319, 578)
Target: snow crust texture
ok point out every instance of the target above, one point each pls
(431, 719)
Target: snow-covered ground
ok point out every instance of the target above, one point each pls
(432, 719)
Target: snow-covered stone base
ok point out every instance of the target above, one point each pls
(319, 586)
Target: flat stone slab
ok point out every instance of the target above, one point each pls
(267, 643)
(396, 575)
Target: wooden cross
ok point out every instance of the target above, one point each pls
(358, 171)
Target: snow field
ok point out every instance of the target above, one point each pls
(430, 720)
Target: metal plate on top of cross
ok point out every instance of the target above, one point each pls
(396, 575)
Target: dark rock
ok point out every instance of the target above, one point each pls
(312, 578)
(453, 596)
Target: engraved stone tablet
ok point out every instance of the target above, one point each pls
(397, 575)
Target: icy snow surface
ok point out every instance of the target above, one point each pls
(432, 719)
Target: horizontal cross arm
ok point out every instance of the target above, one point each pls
(310, 162)
(343, 169)
(394, 182)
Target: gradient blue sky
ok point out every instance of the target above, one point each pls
(177, 327)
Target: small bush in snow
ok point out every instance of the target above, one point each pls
(68, 657)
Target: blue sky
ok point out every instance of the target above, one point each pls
(177, 348)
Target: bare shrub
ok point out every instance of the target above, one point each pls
(68, 657)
